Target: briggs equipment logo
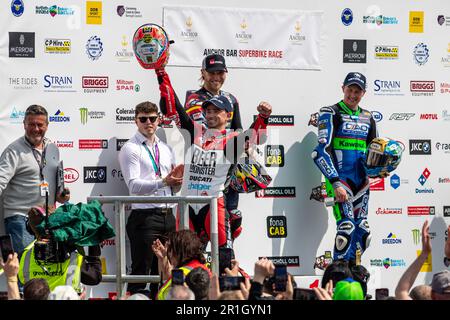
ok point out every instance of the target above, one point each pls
(420, 147)
(274, 156)
(276, 227)
(276, 192)
(422, 88)
(94, 174)
(95, 84)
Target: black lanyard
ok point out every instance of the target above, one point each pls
(41, 163)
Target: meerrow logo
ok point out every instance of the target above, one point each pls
(386, 52)
(23, 82)
(420, 147)
(422, 88)
(58, 46)
(277, 227)
(387, 262)
(355, 51)
(120, 143)
(70, 175)
(94, 174)
(125, 115)
(64, 143)
(288, 261)
(95, 84)
(274, 156)
(443, 146)
(55, 10)
(401, 116)
(17, 7)
(391, 239)
(279, 120)
(389, 211)
(58, 83)
(89, 144)
(59, 117)
(421, 211)
(347, 16)
(127, 85)
(21, 44)
(276, 192)
(387, 88)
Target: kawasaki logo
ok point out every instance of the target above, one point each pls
(351, 144)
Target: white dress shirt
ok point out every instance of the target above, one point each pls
(139, 173)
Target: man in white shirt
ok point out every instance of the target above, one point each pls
(148, 167)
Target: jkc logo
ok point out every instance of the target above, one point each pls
(274, 156)
(276, 227)
(94, 174)
(70, 175)
(420, 147)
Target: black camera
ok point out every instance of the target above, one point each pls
(51, 251)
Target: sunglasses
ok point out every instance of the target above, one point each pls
(144, 119)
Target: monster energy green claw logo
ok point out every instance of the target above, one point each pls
(84, 115)
(416, 236)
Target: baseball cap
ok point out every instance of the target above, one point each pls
(441, 282)
(63, 293)
(214, 62)
(355, 78)
(348, 289)
(220, 102)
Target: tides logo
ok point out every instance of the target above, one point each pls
(276, 227)
(274, 156)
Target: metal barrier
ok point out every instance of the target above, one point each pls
(121, 278)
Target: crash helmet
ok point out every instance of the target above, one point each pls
(383, 155)
(151, 46)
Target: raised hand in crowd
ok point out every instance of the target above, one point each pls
(234, 272)
(164, 265)
(288, 294)
(325, 294)
(264, 108)
(11, 269)
(263, 268)
(214, 288)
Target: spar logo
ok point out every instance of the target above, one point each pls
(421, 211)
(276, 227)
(70, 175)
(391, 239)
(127, 85)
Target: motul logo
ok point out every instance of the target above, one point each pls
(95, 82)
(428, 116)
(422, 86)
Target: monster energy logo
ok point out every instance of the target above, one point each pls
(84, 115)
(349, 144)
(416, 236)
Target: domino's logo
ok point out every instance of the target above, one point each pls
(424, 176)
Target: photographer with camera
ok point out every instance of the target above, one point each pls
(59, 262)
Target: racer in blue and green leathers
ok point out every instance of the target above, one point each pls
(345, 130)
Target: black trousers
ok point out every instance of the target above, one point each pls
(143, 227)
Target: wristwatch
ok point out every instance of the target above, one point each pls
(447, 262)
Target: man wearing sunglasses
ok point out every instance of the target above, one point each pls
(148, 167)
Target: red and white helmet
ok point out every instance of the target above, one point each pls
(151, 46)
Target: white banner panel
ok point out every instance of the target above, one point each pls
(248, 38)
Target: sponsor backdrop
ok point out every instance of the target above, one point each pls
(75, 58)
